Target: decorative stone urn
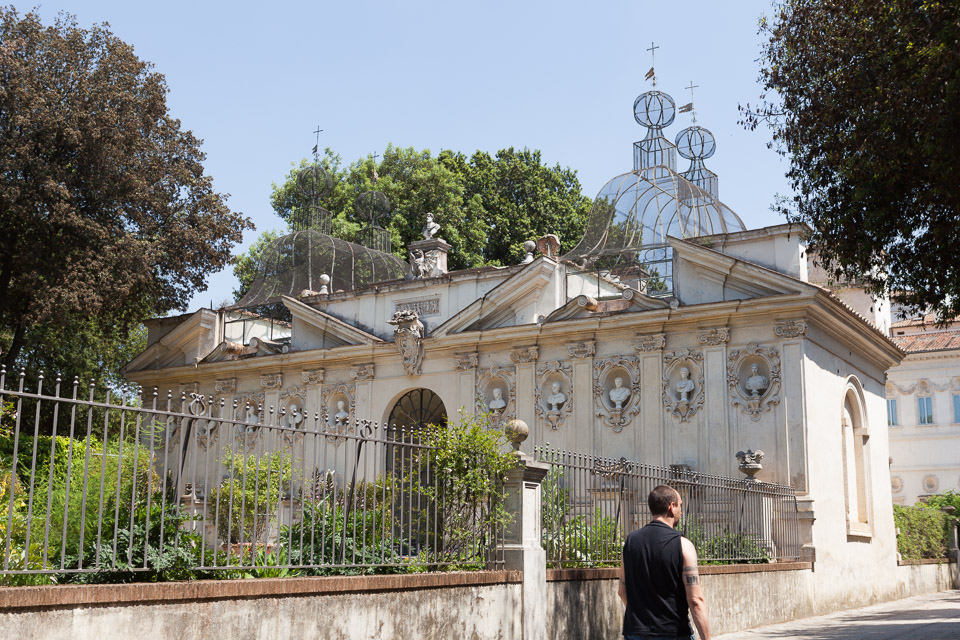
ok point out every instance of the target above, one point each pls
(516, 431)
(750, 463)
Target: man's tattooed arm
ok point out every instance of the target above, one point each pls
(690, 575)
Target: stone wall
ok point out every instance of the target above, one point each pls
(580, 603)
(583, 603)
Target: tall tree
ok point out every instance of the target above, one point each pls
(864, 98)
(106, 211)
(487, 205)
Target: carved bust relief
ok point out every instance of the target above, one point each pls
(616, 391)
(338, 405)
(682, 388)
(497, 393)
(753, 375)
(554, 394)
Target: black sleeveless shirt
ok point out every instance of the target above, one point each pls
(653, 569)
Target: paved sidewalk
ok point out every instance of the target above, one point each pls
(930, 617)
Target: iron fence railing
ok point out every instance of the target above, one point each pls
(101, 481)
(590, 504)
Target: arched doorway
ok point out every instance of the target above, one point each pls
(410, 466)
(416, 409)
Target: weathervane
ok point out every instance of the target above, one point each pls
(652, 74)
(375, 176)
(689, 108)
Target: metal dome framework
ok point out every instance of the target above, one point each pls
(634, 213)
(294, 263)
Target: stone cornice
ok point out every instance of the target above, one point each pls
(824, 316)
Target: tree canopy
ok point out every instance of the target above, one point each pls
(487, 205)
(106, 212)
(864, 99)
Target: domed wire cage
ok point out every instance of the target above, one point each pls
(631, 218)
(294, 263)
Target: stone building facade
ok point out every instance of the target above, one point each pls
(706, 340)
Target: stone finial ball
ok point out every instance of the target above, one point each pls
(516, 432)
(529, 246)
(324, 279)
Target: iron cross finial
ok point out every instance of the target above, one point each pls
(652, 74)
(316, 147)
(693, 108)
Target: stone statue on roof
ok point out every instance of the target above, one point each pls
(431, 228)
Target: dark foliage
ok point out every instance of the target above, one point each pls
(864, 98)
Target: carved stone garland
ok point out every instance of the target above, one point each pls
(549, 373)
(682, 404)
(505, 379)
(604, 372)
(294, 402)
(328, 414)
(755, 392)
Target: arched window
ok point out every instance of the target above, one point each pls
(856, 461)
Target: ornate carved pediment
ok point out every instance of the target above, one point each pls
(525, 354)
(616, 402)
(312, 376)
(682, 389)
(714, 337)
(360, 372)
(228, 385)
(790, 328)
(753, 375)
(465, 361)
(408, 337)
(497, 393)
(582, 349)
(651, 342)
(554, 394)
(271, 380)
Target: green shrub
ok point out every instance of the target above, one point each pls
(581, 541)
(247, 503)
(922, 531)
(468, 463)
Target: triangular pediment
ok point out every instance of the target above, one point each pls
(186, 344)
(702, 275)
(630, 300)
(314, 329)
(499, 307)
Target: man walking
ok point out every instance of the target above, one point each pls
(659, 580)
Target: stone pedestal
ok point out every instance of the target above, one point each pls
(522, 550)
(434, 247)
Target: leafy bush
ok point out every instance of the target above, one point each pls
(594, 540)
(154, 543)
(468, 463)
(247, 503)
(922, 531)
(949, 499)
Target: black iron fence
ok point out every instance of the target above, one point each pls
(590, 504)
(111, 482)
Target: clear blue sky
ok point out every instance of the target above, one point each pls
(253, 80)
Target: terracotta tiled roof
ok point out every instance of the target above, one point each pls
(929, 341)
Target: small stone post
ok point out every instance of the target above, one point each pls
(522, 549)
